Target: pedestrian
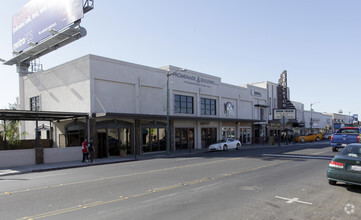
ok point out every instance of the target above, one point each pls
(84, 149)
(91, 150)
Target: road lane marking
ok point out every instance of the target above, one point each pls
(290, 201)
(298, 156)
(155, 190)
(120, 176)
(46, 176)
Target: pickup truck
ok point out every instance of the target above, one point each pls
(345, 136)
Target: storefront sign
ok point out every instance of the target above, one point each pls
(196, 80)
(282, 90)
(256, 93)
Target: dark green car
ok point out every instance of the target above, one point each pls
(346, 166)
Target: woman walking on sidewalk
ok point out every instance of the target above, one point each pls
(84, 149)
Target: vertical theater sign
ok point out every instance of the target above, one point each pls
(286, 110)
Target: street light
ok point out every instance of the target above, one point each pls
(168, 133)
(311, 123)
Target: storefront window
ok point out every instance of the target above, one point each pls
(113, 136)
(75, 134)
(209, 136)
(113, 141)
(184, 138)
(245, 135)
(154, 139)
(228, 132)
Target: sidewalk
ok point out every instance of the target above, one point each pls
(109, 160)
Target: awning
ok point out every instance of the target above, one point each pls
(24, 115)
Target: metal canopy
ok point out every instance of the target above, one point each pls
(153, 117)
(23, 115)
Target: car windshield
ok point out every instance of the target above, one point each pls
(349, 131)
(351, 151)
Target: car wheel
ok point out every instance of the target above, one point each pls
(317, 138)
(238, 147)
(225, 148)
(332, 182)
(303, 140)
(334, 149)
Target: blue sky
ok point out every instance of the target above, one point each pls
(242, 41)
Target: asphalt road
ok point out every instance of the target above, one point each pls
(270, 183)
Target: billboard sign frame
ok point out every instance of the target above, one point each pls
(34, 21)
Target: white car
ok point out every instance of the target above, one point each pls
(229, 143)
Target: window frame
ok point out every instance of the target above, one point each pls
(208, 106)
(35, 103)
(183, 104)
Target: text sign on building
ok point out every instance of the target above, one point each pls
(33, 22)
(196, 80)
(282, 90)
(279, 114)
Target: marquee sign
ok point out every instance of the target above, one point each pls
(279, 114)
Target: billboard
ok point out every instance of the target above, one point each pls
(355, 117)
(33, 22)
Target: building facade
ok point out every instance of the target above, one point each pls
(127, 106)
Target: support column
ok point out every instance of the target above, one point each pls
(137, 137)
(39, 155)
(92, 129)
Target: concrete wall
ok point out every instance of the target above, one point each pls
(14, 158)
(56, 155)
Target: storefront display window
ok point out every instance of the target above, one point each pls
(209, 136)
(153, 139)
(184, 138)
(228, 132)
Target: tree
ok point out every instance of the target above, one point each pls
(11, 131)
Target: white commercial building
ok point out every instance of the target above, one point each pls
(127, 106)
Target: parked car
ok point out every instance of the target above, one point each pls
(327, 136)
(346, 166)
(308, 137)
(229, 143)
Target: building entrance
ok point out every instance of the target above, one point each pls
(111, 140)
(228, 132)
(209, 136)
(184, 138)
(153, 139)
(245, 135)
